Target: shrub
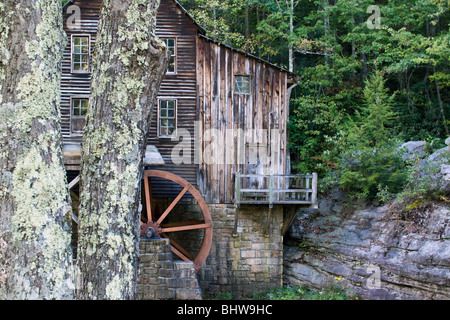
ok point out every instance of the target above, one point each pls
(369, 173)
(372, 164)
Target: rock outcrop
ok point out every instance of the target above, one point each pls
(376, 252)
(385, 252)
(431, 171)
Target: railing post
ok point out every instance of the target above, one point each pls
(237, 196)
(314, 187)
(237, 201)
(271, 191)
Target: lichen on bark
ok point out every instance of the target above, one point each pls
(34, 200)
(128, 68)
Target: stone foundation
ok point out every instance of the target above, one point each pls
(248, 261)
(242, 263)
(161, 278)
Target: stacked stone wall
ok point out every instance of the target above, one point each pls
(162, 278)
(249, 260)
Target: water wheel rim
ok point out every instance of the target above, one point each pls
(200, 258)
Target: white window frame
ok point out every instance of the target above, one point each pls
(73, 36)
(74, 117)
(174, 134)
(174, 54)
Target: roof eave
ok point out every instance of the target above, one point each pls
(291, 75)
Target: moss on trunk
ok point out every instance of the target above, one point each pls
(35, 255)
(128, 68)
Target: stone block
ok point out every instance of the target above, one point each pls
(188, 294)
(167, 294)
(248, 254)
(176, 283)
(146, 258)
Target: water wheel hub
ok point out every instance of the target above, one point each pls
(150, 230)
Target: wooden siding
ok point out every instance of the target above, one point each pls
(172, 22)
(76, 84)
(229, 113)
(204, 89)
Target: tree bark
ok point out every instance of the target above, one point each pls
(35, 233)
(128, 67)
(441, 105)
(291, 34)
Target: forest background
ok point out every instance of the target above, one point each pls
(372, 75)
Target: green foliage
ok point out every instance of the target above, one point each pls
(366, 172)
(331, 124)
(372, 166)
(221, 296)
(298, 293)
(310, 124)
(421, 184)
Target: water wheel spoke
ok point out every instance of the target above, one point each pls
(172, 205)
(180, 255)
(148, 196)
(185, 227)
(179, 250)
(201, 254)
(183, 223)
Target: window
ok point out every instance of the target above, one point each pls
(80, 54)
(171, 46)
(242, 84)
(167, 118)
(79, 108)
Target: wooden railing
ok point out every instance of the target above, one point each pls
(276, 189)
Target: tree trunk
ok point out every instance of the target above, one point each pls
(128, 67)
(326, 23)
(441, 105)
(291, 34)
(35, 252)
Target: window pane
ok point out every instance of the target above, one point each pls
(79, 107)
(78, 125)
(163, 131)
(171, 46)
(84, 105)
(80, 54)
(167, 117)
(171, 67)
(242, 84)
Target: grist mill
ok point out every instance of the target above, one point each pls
(217, 194)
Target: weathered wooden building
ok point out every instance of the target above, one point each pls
(219, 128)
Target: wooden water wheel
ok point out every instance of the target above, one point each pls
(157, 226)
